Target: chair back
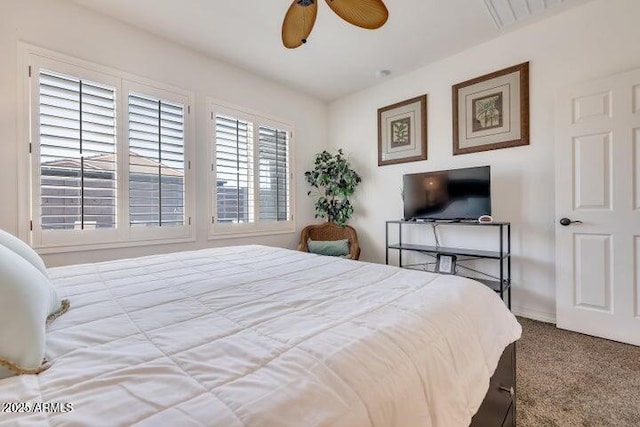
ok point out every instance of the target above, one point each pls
(330, 231)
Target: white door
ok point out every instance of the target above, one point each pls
(598, 183)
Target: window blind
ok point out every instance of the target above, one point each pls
(273, 174)
(77, 130)
(234, 170)
(156, 162)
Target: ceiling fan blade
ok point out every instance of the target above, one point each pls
(369, 14)
(298, 23)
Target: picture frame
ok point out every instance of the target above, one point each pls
(445, 264)
(492, 111)
(402, 132)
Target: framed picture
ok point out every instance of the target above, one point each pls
(492, 111)
(446, 264)
(402, 132)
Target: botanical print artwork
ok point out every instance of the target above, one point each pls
(400, 130)
(487, 112)
(491, 111)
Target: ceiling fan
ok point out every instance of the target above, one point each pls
(299, 20)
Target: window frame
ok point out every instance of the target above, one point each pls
(257, 228)
(56, 241)
(172, 232)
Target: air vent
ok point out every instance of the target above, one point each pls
(508, 12)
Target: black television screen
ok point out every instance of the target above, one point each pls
(458, 194)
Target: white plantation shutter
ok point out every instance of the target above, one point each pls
(109, 157)
(156, 162)
(251, 182)
(234, 170)
(77, 137)
(273, 174)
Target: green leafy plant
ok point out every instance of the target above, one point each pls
(334, 182)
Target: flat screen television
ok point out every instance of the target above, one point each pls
(458, 194)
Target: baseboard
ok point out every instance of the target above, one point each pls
(534, 314)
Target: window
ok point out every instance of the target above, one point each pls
(251, 177)
(234, 178)
(77, 153)
(156, 162)
(273, 174)
(109, 157)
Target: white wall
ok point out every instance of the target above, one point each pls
(67, 28)
(593, 40)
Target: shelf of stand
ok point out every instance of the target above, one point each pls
(493, 284)
(451, 222)
(449, 251)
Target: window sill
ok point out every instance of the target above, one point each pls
(57, 249)
(239, 235)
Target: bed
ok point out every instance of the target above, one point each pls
(260, 336)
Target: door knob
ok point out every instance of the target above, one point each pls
(567, 221)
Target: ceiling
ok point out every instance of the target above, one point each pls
(339, 58)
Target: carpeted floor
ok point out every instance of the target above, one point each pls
(567, 379)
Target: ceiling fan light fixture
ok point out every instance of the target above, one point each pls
(301, 16)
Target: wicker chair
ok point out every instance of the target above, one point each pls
(330, 231)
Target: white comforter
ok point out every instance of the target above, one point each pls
(258, 336)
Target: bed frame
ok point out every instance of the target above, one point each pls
(498, 408)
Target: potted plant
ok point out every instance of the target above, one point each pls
(334, 182)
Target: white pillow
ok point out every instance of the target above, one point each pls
(25, 251)
(27, 298)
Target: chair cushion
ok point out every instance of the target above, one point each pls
(27, 298)
(25, 251)
(329, 247)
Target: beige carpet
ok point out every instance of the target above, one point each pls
(567, 379)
